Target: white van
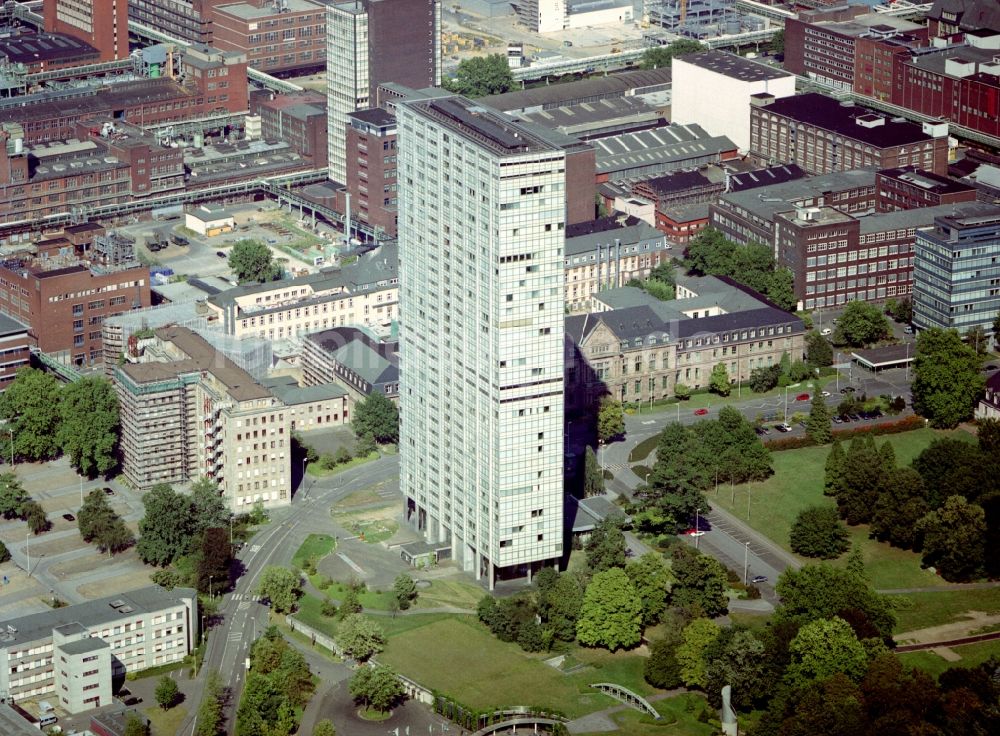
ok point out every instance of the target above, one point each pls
(46, 719)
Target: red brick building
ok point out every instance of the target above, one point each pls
(275, 36)
(680, 223)
(298, 119)
(15, 344)
(908, 188)
(371, 168)
(63, 290)
(101, 23)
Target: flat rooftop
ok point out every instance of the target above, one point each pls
(662, 145)
(246, 11)
(733, 66)
(926, 180)
(482, 124)
(37, 47)
(829, 114)
(584, 90)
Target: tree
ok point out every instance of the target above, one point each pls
(710, 253)
(819, 352)
(98, 523)
(953, 539)
(481, 76)
(324, 728)
(364, 446)
(167, 692)
(863, 480)
(212, 572)
(899, 507)
(832, 707)
(611, 615)
(777, 43)
(996, 329)
(764, 379)
(696, 639)
(34, 514)
(658, 57)
(651, 578)
(610, 420)
(252, 262)
(818, 532)
(860, 325)
(742, 664)
(818, 427)
(210, 718)
(4, 553)
(165, 530)
(661, 668)
(377, 417)
(377, 687)
(682, 392)
(946, 378)
(559, 608)
(833, 477)
(593, 477)
(88, 426)
(281, 586)
(820, 591)
(701, 582)
(404, 590)
(975, 337)
(951, 467)
(606, 547)
(12, 496)
(719, 380)
(359, 637)
(208, 508)
(136, 726)
(823, 648)
(30, 405)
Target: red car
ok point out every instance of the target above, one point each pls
(802, 397)
(700, 412)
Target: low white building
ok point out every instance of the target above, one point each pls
(713, 89)
(591, 13)
(209, 221)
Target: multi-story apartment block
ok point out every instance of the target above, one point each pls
(63, 291)
(908, 188)
(481, 233)
(312, 406)
(371, 168)
(956, 271)
(188, 20)
(637, 348)
(275, 35)
(15, 349)
(364, 294)
(352, 358)
(369, 43)
(607, 254)
(821, 135)
(72, 653)
(188, 411)
(101, 23)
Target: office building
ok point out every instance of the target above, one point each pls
(956, 272)
(371, 168)
(542, 16)
(637, 348)
(311, 406)
(188, 20)
(101, 23)
(481, 236)
(297, 119)
(821, 134)
(189, 411)
(908, 188)
(948, 17)
(275, 35)
(15, 349)
(733, 80)
(373, 42)
(354, 359)
(72, 653)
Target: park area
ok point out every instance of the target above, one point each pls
(797, 484)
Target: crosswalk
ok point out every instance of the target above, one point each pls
(246, 597)
(617, 467)
(235, 635)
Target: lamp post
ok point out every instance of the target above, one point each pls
(230, 530)
(794, 385)
(11, 430)
(647, 479)
(746, 560)
(678, 412)
(600, 455)
(210, 596)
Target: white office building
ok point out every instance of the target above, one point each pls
(347, 88)
(481, 234)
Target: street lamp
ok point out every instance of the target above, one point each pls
(794, 385)
(210, 596)
(600, 455)
(746, 560)
(647, 479)
(230, 530)
(11, 430)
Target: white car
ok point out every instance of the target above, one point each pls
(824, 394)
(826, 331)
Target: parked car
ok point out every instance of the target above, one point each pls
(220, 254)
(761, 430)
(179, 240)
(694, 532)
(824, 394)
(69, 517)
(826, 331)
(908, 330)
(109, 491)
(837, 420)
(758, 579)
(847, 390)
(783, 427)
(855, 418)
(802, 397)
(700, 412)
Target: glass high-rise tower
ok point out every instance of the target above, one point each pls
(481, 232)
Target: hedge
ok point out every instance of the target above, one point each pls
(906, 424)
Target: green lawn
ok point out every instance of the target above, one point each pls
(457, 656)
(934, 609)
(315, 547)
(449, 593)
(641, 451)
(319, 472)
(797, 483)
(972, 655)
(680, 718)
(165, 722)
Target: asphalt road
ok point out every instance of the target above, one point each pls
(241, 617)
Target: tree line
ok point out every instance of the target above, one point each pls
(45, 419)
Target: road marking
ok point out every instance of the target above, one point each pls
(244, 605)
(350, 563)
(254, 549)
(650, 421)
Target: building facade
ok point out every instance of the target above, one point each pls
(189, 412)
(101, 23)
(371, 168)
(909, 188)
(188, 20)
(373, 42)
(83, 646)
(821, 134)
(275, 36)
(956, 272)
(297, 119)
(15, 349)
(482, 227)
(351, 358)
